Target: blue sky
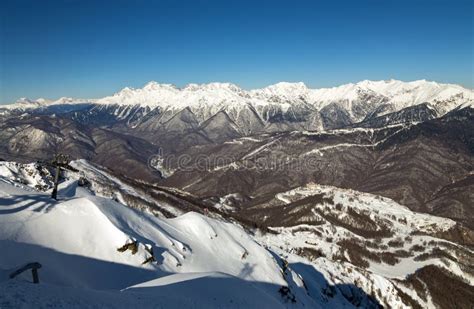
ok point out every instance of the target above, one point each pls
(91, 49)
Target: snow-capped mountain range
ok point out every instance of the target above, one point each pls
(398, 93)
(276, 108)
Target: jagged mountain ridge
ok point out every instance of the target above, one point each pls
(279, 107)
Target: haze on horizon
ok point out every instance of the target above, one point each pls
(89, 49)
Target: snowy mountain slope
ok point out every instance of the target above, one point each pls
(209, 291)
(199, 260)
(317, 225)
(336, 215)
(76, 240)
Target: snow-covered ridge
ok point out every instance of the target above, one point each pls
(400, 94)
(77, 240)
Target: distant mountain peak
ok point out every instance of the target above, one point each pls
(152, 85)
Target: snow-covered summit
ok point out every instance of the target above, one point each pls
(29, 103)
(284, 88)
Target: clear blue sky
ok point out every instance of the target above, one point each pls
(89, 49)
